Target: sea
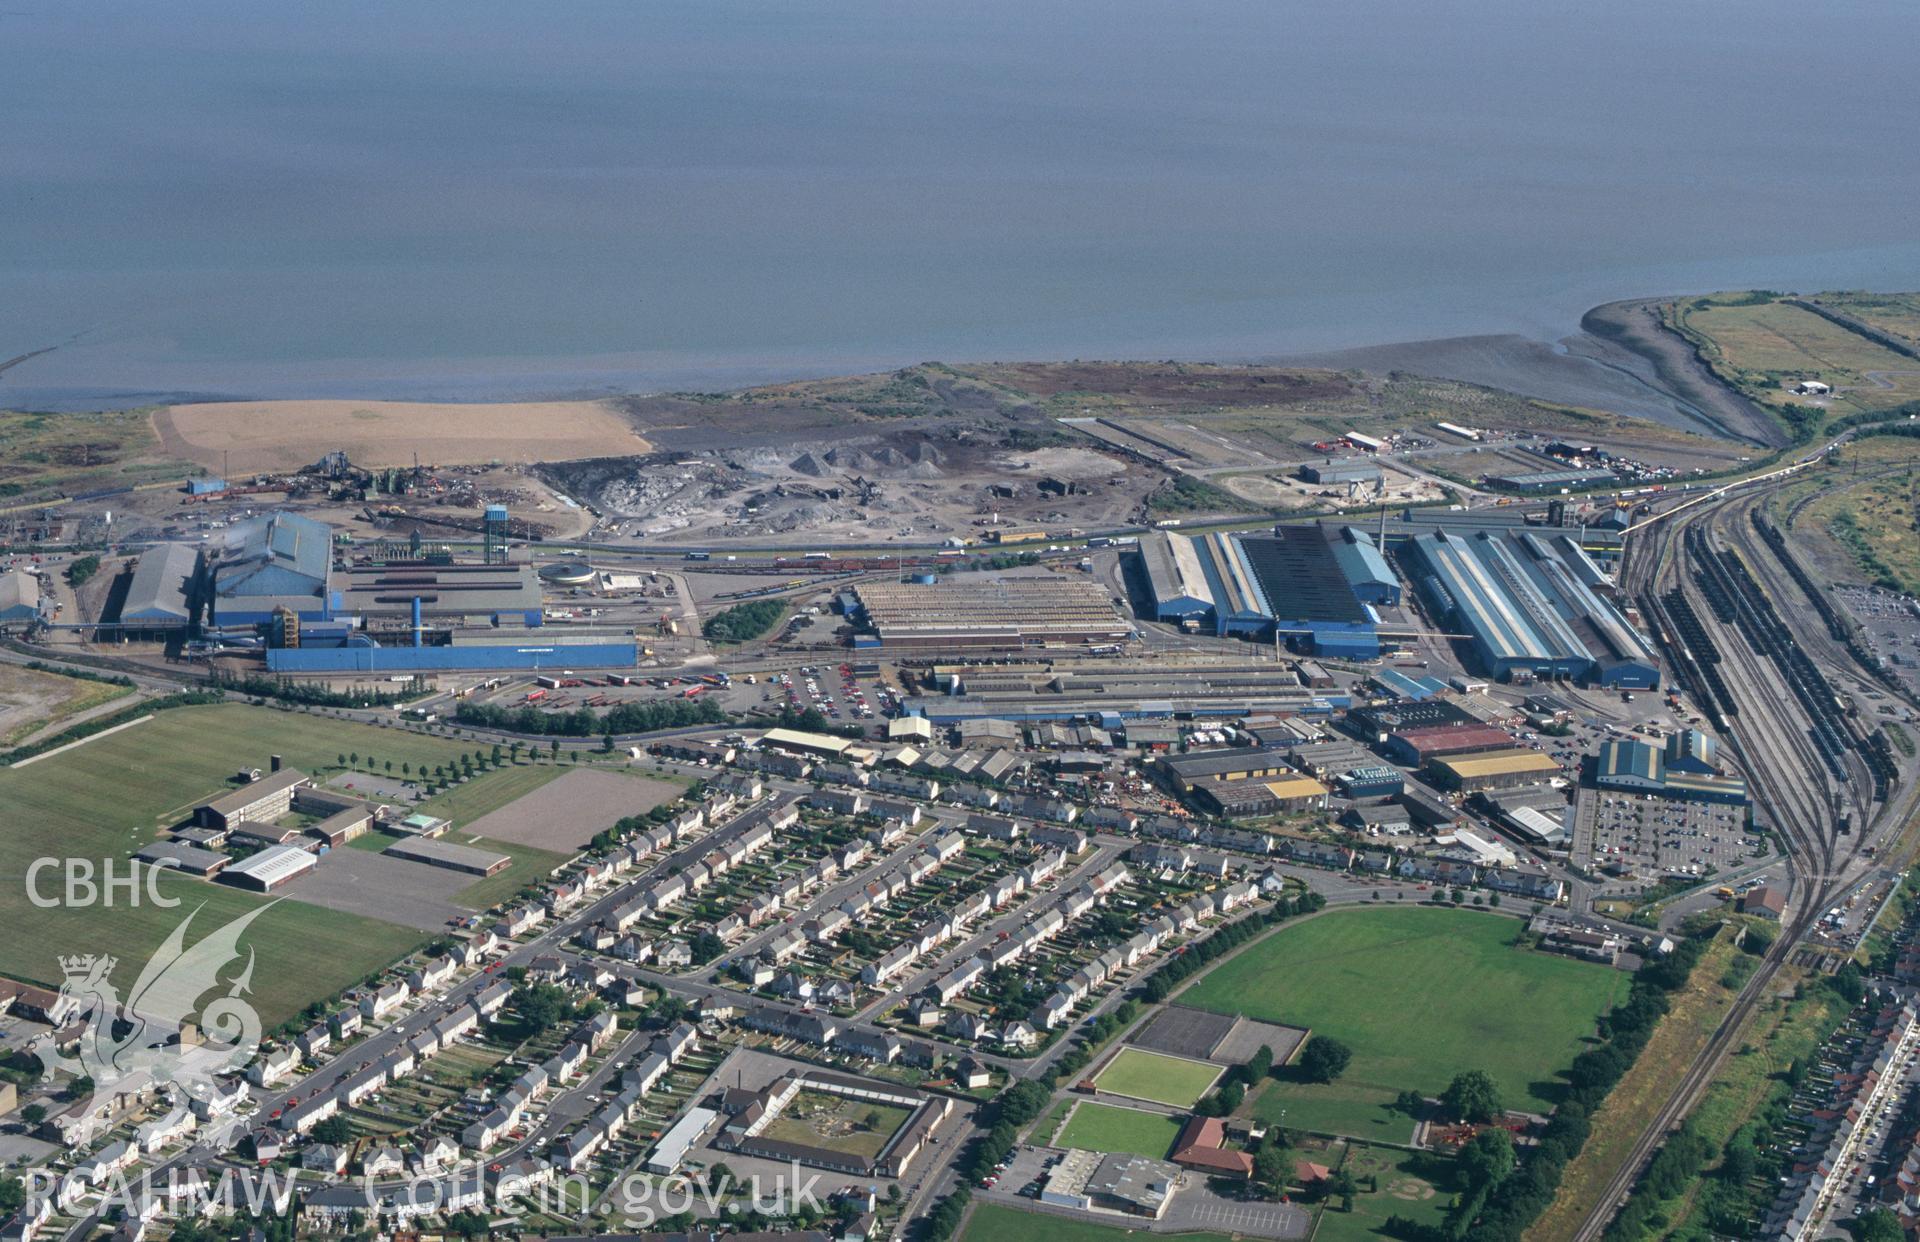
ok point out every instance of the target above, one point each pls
(473, 199)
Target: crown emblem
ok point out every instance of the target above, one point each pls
(84, 963)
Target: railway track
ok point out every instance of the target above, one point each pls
(1768, 727)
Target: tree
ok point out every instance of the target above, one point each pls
(1879, 1225)
(1022, 1102)
(540, 1005)
(389, 767)
(1342, 1184)
(81, 569)
(13, 1195)
(340, 760)
(406, 768)
(1471, 1096)
(1271, 1166)
(78, 1089)
(1325, 1059)
(1488, 1157)
(705, 946)
(1848, 983)
(333, 1130)
(34, 1114)
(353, 758)
(554, 749)
(467, 1223)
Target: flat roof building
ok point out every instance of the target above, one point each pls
(458, 594)
(180, 857)
(1497, 769)
(446, 854)
(680, 1139)
(1250, 799)
(1416, 746)
(1545, 480)
(260, 801)
(989, 614)
(1339, 470)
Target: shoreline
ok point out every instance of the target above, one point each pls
(1619, 359)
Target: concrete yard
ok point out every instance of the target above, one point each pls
(379, 886)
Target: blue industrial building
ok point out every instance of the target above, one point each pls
(1312, 586)
(1678, 771)
(1372, 579)
(1413, 689)
(1531, 604)
(281, 560)
(1374, 781)
(361, 656)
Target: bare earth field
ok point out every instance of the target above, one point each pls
(566, 812)
(31, 701)
(254, 436)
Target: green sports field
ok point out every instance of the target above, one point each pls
(991, 1222)
(1102, 1127)
(114, 794)
(1420, 994)
(1142, 1075)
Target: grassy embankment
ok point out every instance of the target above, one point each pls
(1681, 1036)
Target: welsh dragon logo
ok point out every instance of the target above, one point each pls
(141, 1035)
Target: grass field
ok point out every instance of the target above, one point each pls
(77, 451)
(837, 1123)
(1414, 1185)
(1142, 1075)
(991, 1222)
(1872, 521)
(530, 865)
(1356, 1109)
(1358, 974)
(31, 700)
(1896, 314)
(1102, 1127)
(1763, 345)
(485, 794)
(107, 798)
